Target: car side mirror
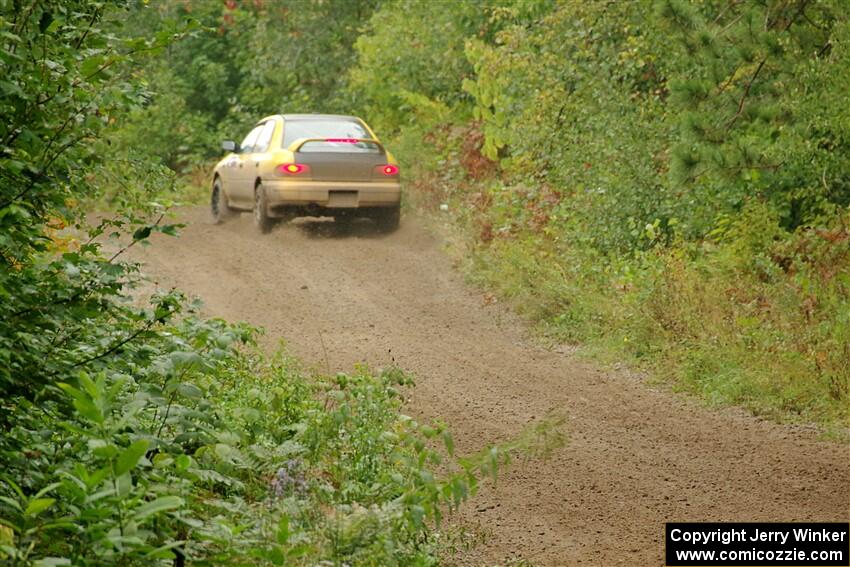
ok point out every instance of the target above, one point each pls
(228, 146)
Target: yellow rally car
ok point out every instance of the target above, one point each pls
(295, 165)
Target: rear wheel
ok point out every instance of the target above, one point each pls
(261, 210)
(219, 208)
(387, 218)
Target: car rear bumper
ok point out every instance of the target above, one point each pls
(332, 194)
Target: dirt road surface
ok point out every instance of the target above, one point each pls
(636, 456)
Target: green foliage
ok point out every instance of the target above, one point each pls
(661, 179)
(401, 72)
(65, 77)
(577, 109)
(186, 445)
(63, 82)
(760, 77)
(246, 60)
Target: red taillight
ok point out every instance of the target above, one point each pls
(293, 168)
(342, 140)
(388, 169)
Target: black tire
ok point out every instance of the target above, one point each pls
(388, 219)
(261, 211)
(219, 208)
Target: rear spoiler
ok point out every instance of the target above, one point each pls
(297, 144)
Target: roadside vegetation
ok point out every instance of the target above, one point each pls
(663, 182)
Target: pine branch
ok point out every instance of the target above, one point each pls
(743, 100)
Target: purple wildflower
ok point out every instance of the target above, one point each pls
(289, 479)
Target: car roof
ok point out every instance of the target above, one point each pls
(317, 116)
(306, 117)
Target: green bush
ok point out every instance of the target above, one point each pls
(188, 446)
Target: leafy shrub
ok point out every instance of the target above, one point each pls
(185, 446)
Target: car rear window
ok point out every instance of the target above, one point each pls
(335, 135)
